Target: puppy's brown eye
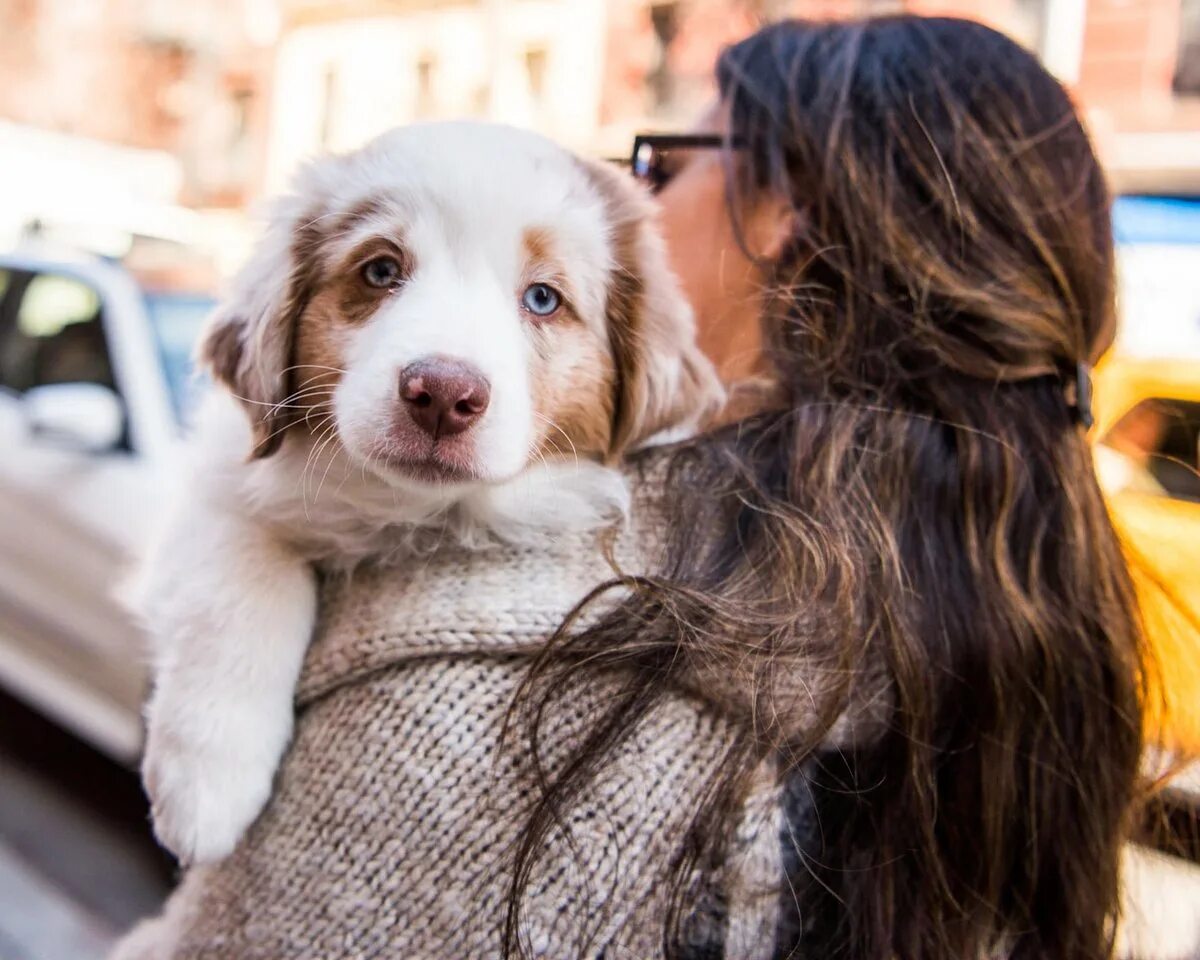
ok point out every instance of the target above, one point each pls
(541, 299)
(383, 273)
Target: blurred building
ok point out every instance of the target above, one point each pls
(127, 119)
(1134, 65)
(661, 52)
(187, 78)
(591, 72)
(348, 69)
(116, 115)
(211, 103)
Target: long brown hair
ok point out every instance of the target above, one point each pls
(915, 530)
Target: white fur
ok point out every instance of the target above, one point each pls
(229, 592)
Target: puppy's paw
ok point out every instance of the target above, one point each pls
(204, 796)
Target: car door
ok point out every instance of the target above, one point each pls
(72, 504)
(1148, 461)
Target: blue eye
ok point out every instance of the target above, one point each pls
(382, 273)
(540, 299)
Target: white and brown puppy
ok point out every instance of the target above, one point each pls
(460, 326)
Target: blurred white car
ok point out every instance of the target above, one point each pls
(95, 382)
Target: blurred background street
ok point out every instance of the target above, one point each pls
(77, 863)
(138, 139)
(180, 115)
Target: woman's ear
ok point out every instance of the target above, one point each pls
(248, 344)
(771, 223)
(666, 387)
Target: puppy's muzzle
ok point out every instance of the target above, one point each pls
(444, 396)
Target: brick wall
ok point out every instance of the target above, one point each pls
(91, 68)
(64, 69)
(1129, 58)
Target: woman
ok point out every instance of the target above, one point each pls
(909, 240)
(880, 701)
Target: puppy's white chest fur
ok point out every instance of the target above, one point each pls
(360, 520)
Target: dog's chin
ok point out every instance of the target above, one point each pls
(422, 463)
(428, 472)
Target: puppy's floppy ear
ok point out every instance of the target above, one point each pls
(665, 385)
(248, 344)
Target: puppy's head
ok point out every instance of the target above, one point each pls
(456, 301)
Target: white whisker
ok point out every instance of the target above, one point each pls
(566, 436)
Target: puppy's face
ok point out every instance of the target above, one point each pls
(455, 302)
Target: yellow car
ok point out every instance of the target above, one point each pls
(1147, 445)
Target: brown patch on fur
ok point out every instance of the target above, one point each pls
(320, 357)
(571, 372)
(623, 309)
(363, 210)
(543, 265)
(267, 362)
(251, 354)
(573, 382)
(221, 351)
(662, 379)
(274, 421)
(357, 299)
(341, 301)
(538, 244)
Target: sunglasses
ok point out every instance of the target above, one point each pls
(655, 157)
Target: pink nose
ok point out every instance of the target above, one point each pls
(444, 396)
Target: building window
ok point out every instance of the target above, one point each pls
(664, 18)
(55, 334)
(535, 72)
(426, 103)
(241, 102)
(329, 95)
(1187, 67)
(1027, 24)
(1154, 449)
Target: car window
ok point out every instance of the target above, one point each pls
(1154, 449)
(1158, 257)
(177, 319)
(52, 332)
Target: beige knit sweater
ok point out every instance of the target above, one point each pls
(390, 828)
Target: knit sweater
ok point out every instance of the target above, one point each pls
(391, 826)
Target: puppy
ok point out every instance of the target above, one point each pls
(459, 328)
